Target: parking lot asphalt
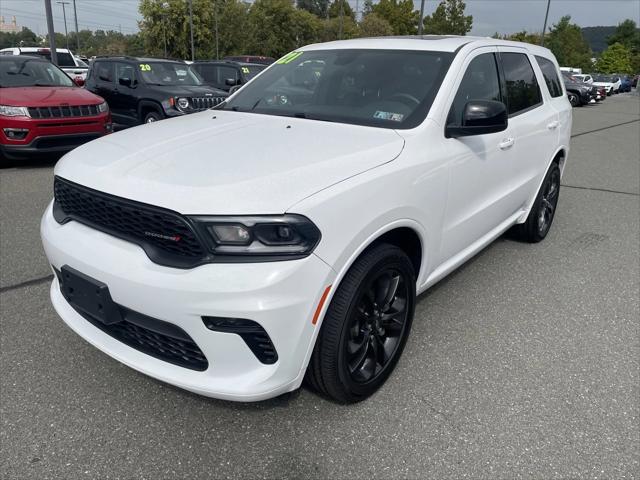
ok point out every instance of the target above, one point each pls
(524, 363)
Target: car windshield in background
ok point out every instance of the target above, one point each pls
(251, 71)
(382, 88)
(167, 73)
(19, 71)
(602, 78)
(64, 59)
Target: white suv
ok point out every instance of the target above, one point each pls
(285, 234)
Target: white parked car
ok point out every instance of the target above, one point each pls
(286, 234)
(67, 61)
(583, 77)
(611, 83)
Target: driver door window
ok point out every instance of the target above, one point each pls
(480, 82)
(125, 75)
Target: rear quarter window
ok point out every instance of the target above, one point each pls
(523, 92)
(550, 75)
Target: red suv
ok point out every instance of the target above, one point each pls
(43, 111)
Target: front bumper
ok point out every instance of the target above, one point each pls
(281, 296)
(51, 135)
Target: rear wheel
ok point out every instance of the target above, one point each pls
(366, 326)
(540, 218)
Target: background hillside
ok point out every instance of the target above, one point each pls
(596, 37)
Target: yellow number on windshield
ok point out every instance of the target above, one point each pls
(145, 67)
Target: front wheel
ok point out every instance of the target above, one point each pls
(152, 117)
(366, 326)
(574, 100)
(543, 211)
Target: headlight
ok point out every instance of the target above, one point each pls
(9, 111)
(259, 238)
(182, 103)
(103, 107)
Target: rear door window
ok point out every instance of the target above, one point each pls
(550, 75)
(523, 92)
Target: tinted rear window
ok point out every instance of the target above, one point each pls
(523, 92)
(64, 59)
(550, 75)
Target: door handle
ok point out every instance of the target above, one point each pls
(507, 143)
(553, 125)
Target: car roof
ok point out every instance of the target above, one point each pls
(438, 43)
(229, 62)
(125, 58)
(34, 49)
(23, 58)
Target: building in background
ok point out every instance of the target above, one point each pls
(9, 27)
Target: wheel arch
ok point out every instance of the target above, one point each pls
(146, 106)
(559, 157)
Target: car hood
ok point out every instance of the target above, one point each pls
(218, 162)
(577, 85)
(48, 96)
(188, 90)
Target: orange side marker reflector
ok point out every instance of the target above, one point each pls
(320, 305)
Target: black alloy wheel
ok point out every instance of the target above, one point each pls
(543, 211)
(365, 327)
(548, 202)
(377, 325)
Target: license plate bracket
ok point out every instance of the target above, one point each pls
(89, 296)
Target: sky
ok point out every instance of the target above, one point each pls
(489, 16)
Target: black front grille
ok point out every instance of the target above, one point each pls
(167, 237)
(202, 103)
(64, 111)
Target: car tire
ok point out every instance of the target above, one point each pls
(574, 99)
(542, 213)
(357, 347)
(152, 116)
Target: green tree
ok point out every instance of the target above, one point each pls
(523, 36)
(334, 9)
(373, 25)
(628, 34)
(167, 21)
(615, 59)
(23, 38)
(399, 13)
(566, 42)
(448, 19)
(331, 29)
(276, 27)
(317, 7)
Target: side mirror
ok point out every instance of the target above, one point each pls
(126, 82)
(480, 117)
(78, 81)
(230, 82)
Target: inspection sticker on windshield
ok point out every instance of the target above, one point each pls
(394, 117)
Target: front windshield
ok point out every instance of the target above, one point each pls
(382, 88)
(168, 73)
(602, 78)
(27, 72)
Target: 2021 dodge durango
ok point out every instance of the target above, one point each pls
(285, 234)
